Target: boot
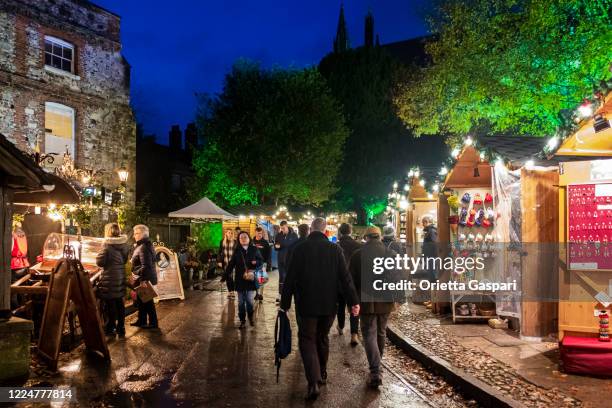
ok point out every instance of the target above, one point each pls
(313, 392)
(354, 339)
(251, 321)
(374, 381)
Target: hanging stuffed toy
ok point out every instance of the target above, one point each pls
(480, 217)
(471, 219)
(477, 199)
(466, 198)
(463, 216)
(488, 198)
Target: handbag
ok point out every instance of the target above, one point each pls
(146, 292)
(248, 275)
(133, 281)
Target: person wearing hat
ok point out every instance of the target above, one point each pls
(375, 305)
(317, 272)
(349, 246)
(390, 242)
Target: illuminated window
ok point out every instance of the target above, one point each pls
(59, 130)
(59, 54)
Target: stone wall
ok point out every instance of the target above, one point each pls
(98, 89)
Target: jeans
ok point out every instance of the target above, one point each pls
(245, 304)
(116, 315)
(313, 342)
(342, 310)
(146, 309)
(373, 331)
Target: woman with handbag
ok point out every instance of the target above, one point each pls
(111, 287)
(245, 261)
(143, 266)
(227, 246)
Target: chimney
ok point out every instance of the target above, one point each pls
(176, 138)
(191, 138)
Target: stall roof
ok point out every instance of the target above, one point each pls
(21, 172)
(587, 142)
(203, 209)
(518, 149)
(63, 193)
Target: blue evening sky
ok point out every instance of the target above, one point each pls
(182, 47)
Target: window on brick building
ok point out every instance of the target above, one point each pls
(59, 54)
(59, 131)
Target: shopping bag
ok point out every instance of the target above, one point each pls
(146, 292)
(261, 276)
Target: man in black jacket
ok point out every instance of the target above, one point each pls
(316, 274)
(282, 242)
(349, 246)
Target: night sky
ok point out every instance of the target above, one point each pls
(182, 47)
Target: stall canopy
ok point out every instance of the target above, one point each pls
(63, 193)
(594, 138)
(203, 209)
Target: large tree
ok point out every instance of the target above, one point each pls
(271, 135)
(509, 65)
(379, 148)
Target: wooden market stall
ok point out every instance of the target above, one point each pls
(585, 236)
(516, 199)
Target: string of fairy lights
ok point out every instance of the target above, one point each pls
(570, 122)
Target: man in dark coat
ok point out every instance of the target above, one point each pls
(349, 246)
(375, 305)
(283, 241)
(430, 244)
(316, 274)
(390, 241)
(111, 286)
(143, 265)
(303, 231)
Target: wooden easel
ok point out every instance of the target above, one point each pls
(70, 282)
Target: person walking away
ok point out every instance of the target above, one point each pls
(430, 250)
(303, 231)
(284, 239)
(390, 242)
(262, 244)
(226, 250)
(316, 274)
(275, 232)
(245, 260)
(375, 305)
(349, 246)
(143, 265)
(111, 287)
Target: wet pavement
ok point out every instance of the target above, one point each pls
(200, 358)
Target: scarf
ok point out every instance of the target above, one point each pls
(228, 250)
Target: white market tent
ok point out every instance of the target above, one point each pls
(203, 209)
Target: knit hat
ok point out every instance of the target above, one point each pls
(372, 231)
(389, 232)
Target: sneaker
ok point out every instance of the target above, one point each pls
(354, 339)
(242, 325)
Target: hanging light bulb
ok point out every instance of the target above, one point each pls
(436, 188)
(422, 183)
(406, 187)
(443, 171)
(429, 195)
(395, 185)
(529, 164)
(411, 173)
(455, 153)
(586, 109)
(403, 204)
(482, 155)
(417, 173)
(469, 141)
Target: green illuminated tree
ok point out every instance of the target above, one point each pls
(271, 136)
(508, 65)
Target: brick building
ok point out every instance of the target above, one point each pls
(65, 86)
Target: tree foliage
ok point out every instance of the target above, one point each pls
(508, 65)
(379, 147)
(270, 135)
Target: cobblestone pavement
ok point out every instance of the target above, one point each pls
(200, 358)
(440, 340)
